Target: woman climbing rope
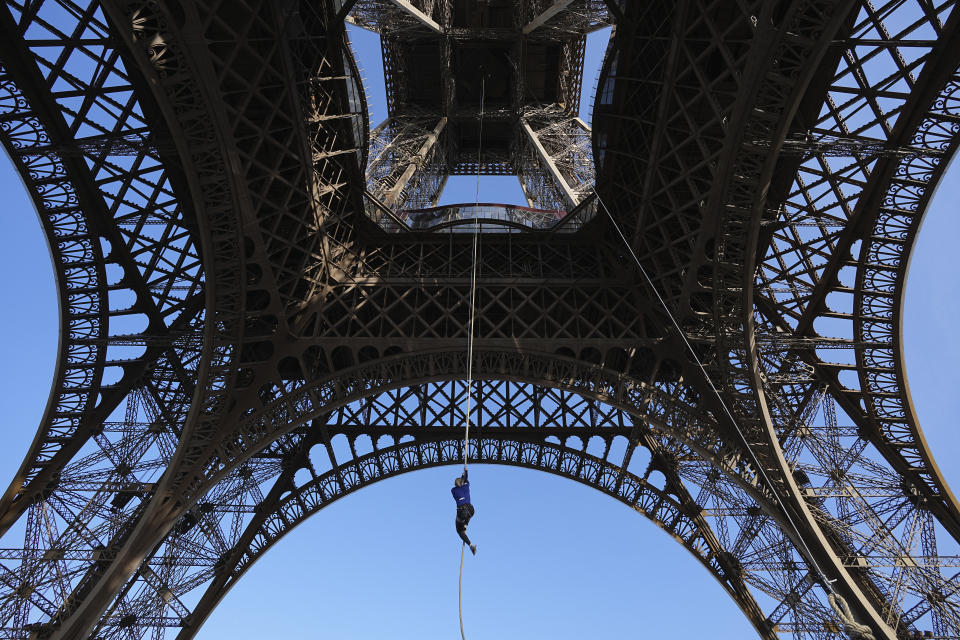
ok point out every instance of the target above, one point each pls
(465, 510)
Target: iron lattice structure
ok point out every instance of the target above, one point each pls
(238, 292)
(481, 87)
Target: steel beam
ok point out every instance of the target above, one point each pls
(543, 18)
(392, 198)
(551, 166)
(420, 16)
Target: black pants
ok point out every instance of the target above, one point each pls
(464, 513)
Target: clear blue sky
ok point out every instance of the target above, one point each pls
(556, 559)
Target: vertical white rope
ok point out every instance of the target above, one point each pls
(473, 283)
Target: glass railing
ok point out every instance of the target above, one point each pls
(485, 217)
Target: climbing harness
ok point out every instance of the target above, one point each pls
(472, 315)
(854, 630)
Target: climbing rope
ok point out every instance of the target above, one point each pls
(854, 630)
(473, 282)
(473, 310)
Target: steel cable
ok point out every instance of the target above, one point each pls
(854, 630)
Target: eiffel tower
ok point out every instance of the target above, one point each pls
(707, 280)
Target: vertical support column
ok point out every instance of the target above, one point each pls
(392, 197)
(407, 161)
(436, 195)
(378, 148)
(531, 199)
(544, 17)
(567, 16)
(418, 15)
(447, 78)
(569, 196)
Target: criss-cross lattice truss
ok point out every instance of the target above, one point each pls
(260, 314)
(480, 87)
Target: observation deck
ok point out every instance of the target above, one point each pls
(485, 217)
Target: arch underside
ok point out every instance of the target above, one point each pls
(409, 428)
(393, 432)
(856, 166)
(306, 500)
(125, 257)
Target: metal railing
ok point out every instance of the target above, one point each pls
(486, 217)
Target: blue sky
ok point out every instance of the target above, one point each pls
(556, 560)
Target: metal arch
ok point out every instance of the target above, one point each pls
(872, 300)
(820, 175)
(76, 265)
(889, 519)
(747, 170)
(891, 425)
(295, 405)
(163, 262)
(705, 225)
(759, 536)
(732, 462)
(738, 208)
(746, 188)
(681, 521)
(892, 188)
(207, 121)
(882, 607)
(878, 314)
(142, 604)
(884, 587)
(105, 213)
(100, 578)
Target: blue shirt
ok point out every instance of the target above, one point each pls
(461, 494)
